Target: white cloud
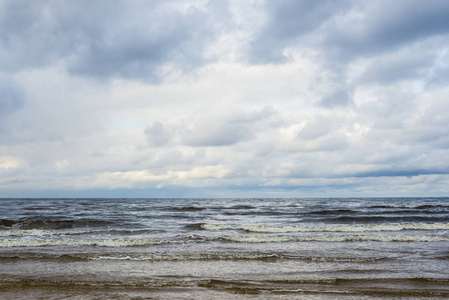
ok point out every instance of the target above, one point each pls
(133, 179)
(8, 162)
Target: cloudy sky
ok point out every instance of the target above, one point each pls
(224, 98)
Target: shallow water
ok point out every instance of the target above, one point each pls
(224, 248)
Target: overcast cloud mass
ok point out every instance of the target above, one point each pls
(295, 98)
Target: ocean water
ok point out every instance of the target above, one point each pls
(348, 248)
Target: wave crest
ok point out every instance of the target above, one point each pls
(326, 228)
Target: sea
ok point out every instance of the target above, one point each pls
(237, 248)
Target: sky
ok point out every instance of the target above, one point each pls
(224, 98)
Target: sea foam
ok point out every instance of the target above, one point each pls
(327, 228)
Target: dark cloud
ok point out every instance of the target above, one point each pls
(144, 49)
(288, 21)
(386, 25)
(37, 34)
(345, 30)
(103, 38)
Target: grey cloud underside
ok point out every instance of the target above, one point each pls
(148, 40)
(390, 69)
(288, 22)
(387, 25)
(211, 131)
(137, 53)
(402, 40)
(11, 97)
(347, 29)
(103, 39)
(36, 34)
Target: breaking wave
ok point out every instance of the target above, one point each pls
(200, 256)
(81, 242)
(323, 228)
(334, 238)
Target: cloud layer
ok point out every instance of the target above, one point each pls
(224, 98)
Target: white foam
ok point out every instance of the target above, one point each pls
(72, 242)
(329, 228)
(335, 238)
(207, 256)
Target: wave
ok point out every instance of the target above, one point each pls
(391, 219)
(338, 287)
(198, 256)
(362, 280)
(235, 256)
(41, 232)
(44, 257)
(186, 208)
(339, 259)
(196, 226)
(240, 206)
(51, 224)
(410, 207)
(58, 232)
(269, 213)
(59, 282)
(82, 242)
(416, 288)
(129, 242)
(322, 228)
(256, 256)
(332, 212)
(144, 257)
(333, 238)
(406, 212)
(428, 206)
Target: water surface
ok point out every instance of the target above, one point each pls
(224, 248)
